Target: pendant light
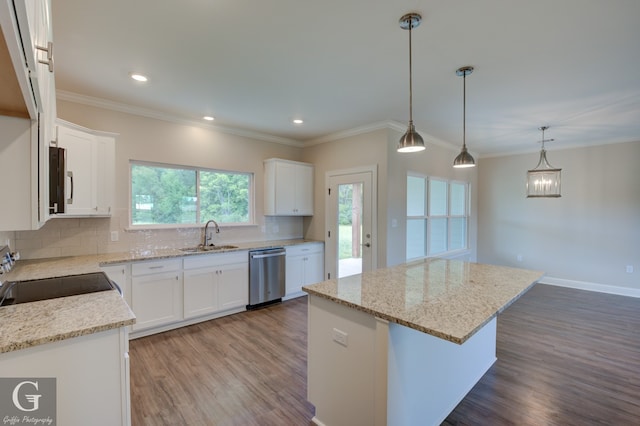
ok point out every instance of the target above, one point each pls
(464, 159)
(411, 141)
(544, 180)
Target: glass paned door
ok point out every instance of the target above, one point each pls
(350, 229)
(350, 244)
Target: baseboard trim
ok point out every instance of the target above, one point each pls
(584, 285)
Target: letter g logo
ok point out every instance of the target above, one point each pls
(31, 398)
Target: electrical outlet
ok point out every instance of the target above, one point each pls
(629, 269)
(519, 258)
(114, 236)
(341, 337)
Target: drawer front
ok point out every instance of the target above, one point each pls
(155, 267)
(302, 249)
(215, 259)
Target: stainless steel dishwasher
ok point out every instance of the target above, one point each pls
(266, 276)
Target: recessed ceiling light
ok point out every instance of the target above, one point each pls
(297, 121)
(208, 118)
(139, 77)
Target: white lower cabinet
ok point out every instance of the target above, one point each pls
(171, 293)
(215, 283)
(91, 372)
(304, 265)
(121, 275)
(233, 285)
(156, 293)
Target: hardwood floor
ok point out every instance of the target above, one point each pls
(565, 357)
(244, 369)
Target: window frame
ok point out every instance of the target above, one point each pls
(428, 218)
(251, 197)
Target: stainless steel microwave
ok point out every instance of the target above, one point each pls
(57, 178)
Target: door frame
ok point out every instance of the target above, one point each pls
(330, 263)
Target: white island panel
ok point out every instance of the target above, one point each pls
(428, 376)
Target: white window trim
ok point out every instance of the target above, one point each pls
(448, 253)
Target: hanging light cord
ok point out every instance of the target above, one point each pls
(410, 74)
(464, 110)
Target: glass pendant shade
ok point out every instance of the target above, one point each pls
(544, 180)
(411, 141)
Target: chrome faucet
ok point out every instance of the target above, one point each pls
(205, 239)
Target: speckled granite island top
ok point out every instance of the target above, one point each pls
(448, 299)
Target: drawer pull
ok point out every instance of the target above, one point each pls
(156, 267)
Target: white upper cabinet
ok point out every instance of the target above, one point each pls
(90, 170)
(28, 109)
(288, 189)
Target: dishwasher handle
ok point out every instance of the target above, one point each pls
(263, 255)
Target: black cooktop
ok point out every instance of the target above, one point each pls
(15, 292)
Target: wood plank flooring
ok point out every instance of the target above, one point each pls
(244, 369)
(565, 357)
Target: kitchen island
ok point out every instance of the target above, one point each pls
(404, 345)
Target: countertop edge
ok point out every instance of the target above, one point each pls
(64, 336)
(311, 290)
(391, 318)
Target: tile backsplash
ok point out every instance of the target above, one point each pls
(75, 236)
(6, 236)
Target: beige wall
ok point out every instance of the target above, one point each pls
(357, 151)
(379, 148)
(589, 234)
(148, 139)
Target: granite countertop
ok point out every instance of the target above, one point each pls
(72, 265)
(449, 299)
(45, 321)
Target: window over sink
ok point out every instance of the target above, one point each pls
(164, 195)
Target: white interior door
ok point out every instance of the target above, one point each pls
(350, 222)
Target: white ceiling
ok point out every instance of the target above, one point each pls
(343, 64)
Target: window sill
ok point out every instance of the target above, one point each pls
(135, 228)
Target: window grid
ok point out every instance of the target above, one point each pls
(443, 233)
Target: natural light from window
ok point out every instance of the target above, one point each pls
(176, 195)
(437, 216)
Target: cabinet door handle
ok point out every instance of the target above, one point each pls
(70, 199)
(49, 50)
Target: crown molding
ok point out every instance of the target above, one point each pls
(563, 147)
(154, 114)
(150, 113)
(381, 125)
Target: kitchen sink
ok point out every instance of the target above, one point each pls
(15, 292)
(202, 249)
